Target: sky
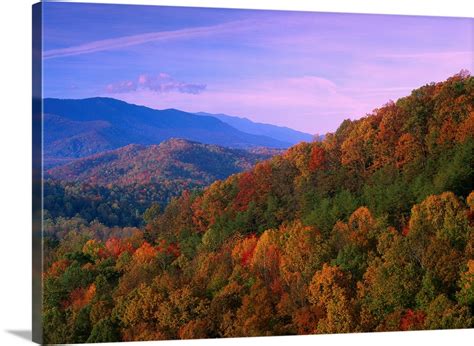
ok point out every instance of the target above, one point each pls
(304, 70)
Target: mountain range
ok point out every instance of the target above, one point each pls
(284, 134)
(84, 127)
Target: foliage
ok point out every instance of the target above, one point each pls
(371, 229)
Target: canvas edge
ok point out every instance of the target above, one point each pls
(37, 172)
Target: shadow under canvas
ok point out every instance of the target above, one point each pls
(24, 334)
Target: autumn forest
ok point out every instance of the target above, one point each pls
(369, 228)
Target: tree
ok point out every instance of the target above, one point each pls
(331, 291)
(317, 158)
(466, 284)
(304, 252)
(266, 258)
(104, 331)
(151, 214)
(390, 282)
(357, 152)
(256, 316)
(445, 314)
(407, 150)
(442, 216)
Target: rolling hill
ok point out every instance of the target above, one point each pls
(181, 160)
(116, 187)
(79, 128)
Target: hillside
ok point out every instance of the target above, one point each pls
(280, 133)
(404, 152)
(371, 229)
(117, 186)
(79, 128)
(174, 159)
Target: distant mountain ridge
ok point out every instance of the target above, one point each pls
(281, 133)
(177, 160)
(79, 128)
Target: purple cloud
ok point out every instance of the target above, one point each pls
(160, 83)
(121, 87)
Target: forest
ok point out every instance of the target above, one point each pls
(369, 229)
(116, 187)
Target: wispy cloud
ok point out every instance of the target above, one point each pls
(160, 83)
(127, 41)
(430, 55)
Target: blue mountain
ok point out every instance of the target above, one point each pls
(79, 128)
(279, 133)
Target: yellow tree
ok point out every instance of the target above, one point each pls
(266, 258)
(330, 290)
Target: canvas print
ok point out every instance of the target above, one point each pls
(213, 173)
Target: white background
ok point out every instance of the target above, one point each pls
(15, 165)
